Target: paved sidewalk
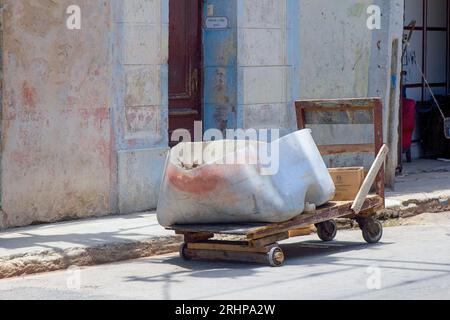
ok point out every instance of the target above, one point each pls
(424, 187)
(85, 242)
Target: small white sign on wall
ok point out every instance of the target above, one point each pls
(216, 23)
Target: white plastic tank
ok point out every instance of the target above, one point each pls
(272, 182)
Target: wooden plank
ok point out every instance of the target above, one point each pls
(328, 212)
(227, 229)
(269, 240)
(346, 148)
(345, 117)
(366, 213)
(370, 179)
(217, 255)
(301, 232)
(197, 236)
(301, 118)
(371, 211)
(378, 133)
(320, 105)
(226, 246)
(342, 108)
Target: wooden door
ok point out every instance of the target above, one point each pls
(184, 65)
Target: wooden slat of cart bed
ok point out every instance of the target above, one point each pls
(227, 229)
(329, 211)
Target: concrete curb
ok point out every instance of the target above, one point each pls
(406, 209)
(45, 261)
(410, 208)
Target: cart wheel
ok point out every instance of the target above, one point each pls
(183, 255)
(276, 257)
(327, 230)
(372, 231)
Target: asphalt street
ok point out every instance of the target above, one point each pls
(411, 262)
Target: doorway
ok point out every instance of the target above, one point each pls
(425, 70)
(428, 47)
(185, 62)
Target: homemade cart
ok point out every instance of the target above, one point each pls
(258, 242)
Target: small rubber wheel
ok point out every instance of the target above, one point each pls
(372, 231)
(276, 257)
(327, 230)
(183, 255)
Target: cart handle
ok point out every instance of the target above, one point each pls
(370, 179)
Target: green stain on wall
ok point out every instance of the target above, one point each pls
(357, 10)
(361, 71)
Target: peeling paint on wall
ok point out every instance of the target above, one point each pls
(56, 150)
(1, 100)
(220, 68)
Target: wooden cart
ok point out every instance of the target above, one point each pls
(258, 242)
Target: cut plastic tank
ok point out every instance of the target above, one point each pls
(243, 181)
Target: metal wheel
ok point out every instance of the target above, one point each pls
(327, 230)
(182, 252)
(372, 231)
(276, 257)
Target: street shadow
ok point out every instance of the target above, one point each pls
(294, 252)
(201, 269)
(217, 271)
(311, 248)
(222, 271)
(27, 239)
(306, 255)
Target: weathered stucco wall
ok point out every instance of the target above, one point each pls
(335, 48)
(341, 58)
(246, 65)
(56, 137)
(263, 69)
(140, 93)
(84, 126)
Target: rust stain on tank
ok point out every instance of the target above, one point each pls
(205, 181)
